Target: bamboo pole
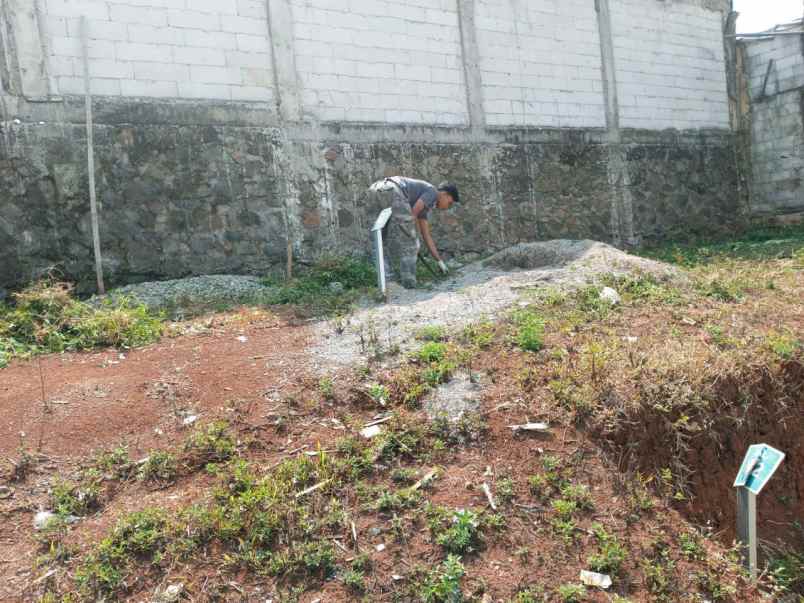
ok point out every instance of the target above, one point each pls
(93, 206)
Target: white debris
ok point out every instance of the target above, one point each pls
(595, 579)
(189, 420)
(529, 427)
(242, 339)
(371, 431)
(380, 548)
(42, 518)
(610, 295)
(171, 594)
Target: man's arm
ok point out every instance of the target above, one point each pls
(424, 229)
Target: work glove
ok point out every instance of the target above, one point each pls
(443, 266)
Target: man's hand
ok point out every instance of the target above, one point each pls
(443, 266)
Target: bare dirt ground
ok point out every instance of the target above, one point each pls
(254, 367)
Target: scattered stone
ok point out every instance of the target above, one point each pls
(610, 295)
(453, 400)
(375, 531)
(594, 579)
(186, 297)
(489, 496)
(171, 594)
(336, 287)
(6, 492)
(371, 432)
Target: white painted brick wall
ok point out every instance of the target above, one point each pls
(670, 65)
(380, 60)
(195, 49)
(777, 126)
(540, 62)
(400, 61)
(787, 70)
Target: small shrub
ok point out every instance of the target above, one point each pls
(139, 535)
(311, 290)
(443, 584)
(480, 335)
(432, 351)
(212, 443)
(784, 345)
(379, 393)
(431, 333)
(327, 388)
(691, 547)
(161, 467)
(458, 533)
(611, 554)
(47, 318)
(529, 333)
(787, 569)
(572, 593)
(505, 489)
(76, 499)
(564, 509)
(579, 494)
(355, 581)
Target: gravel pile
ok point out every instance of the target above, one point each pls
(189, 296)
(480, 290)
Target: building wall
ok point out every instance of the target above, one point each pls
(191, 49)
(670, 59)
(540, 63)
(225, 129)
(380, 61)
(775, 70)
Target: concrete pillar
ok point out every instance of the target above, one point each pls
(622, 208)
(24, 70)
(471, 63)
(283, 56)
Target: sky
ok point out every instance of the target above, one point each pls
(759, 15)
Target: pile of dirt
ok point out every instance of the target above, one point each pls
(477, 291)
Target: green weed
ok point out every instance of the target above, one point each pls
(611, 554)
(528, 330)
(431, 333)
(160, 467)
(47, 318)
(572, 593)
(312, 291)
(443, 584)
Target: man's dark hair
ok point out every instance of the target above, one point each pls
(450, 188)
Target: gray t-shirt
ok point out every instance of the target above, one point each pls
(418, 189)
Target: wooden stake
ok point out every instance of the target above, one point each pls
(290, 259)
(91, 158)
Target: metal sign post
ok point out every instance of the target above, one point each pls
(379, 254)
(759, 465)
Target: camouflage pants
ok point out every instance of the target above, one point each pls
(400, 239)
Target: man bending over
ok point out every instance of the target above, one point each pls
(411, 201)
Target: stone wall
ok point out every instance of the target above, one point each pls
(775, 80)
(225, 128)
